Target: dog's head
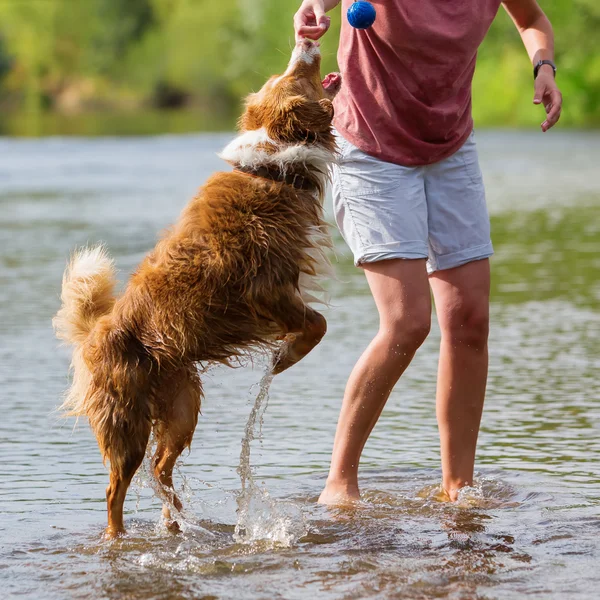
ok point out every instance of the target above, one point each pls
(294, 107)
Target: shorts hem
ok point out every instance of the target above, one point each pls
(456, 259)
(408, 160)
(407, 250)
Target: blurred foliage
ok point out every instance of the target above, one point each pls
(74, 56)
(502, 90)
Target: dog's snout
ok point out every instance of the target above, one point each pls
(304, 52)
(306, 44)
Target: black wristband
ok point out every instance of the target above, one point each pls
(540, 64)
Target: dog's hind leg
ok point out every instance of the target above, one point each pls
(125, 457)
(180, 400)
(303, 329)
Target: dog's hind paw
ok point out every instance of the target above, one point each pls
(281, 358)
(111, 533)
(172, 526)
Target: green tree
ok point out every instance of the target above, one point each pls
(117, 54)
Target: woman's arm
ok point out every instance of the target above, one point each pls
(536, 33)
(310, 21)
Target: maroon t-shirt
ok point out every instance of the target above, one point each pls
(406, 96)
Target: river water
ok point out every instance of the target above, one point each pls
(529, 528)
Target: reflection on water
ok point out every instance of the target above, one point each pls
(529, 527)
(138, 122)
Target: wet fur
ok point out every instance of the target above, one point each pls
(233, 275)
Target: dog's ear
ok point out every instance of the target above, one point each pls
(300, 119)
(310, 115)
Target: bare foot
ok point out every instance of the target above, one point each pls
(450, 495)
(339, 494)
(452, 488)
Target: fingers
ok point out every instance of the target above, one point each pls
(311, 21)
(312, 33)
(546, 93)
(553, 109)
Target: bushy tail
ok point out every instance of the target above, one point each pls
(87, 294)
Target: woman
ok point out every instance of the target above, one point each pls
(410, 203)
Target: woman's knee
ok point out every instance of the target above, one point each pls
(462, 303)
(467, 323)
(403, 298)
(407, 331)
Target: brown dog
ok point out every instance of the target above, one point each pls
(232, 275)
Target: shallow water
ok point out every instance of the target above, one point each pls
(531, 526)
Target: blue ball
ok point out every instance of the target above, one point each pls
(361, 14)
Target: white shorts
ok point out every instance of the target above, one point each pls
(436, 211)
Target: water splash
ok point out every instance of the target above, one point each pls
(485, 493)
(145, 478)
(260, 517)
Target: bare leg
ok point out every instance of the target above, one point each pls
(401, 292)
(462, 306)
(174, 431)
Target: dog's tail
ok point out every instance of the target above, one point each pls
(87, 294)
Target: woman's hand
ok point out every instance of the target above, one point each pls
(548, 94)
(310, 21)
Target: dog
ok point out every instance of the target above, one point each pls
(233, 275)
